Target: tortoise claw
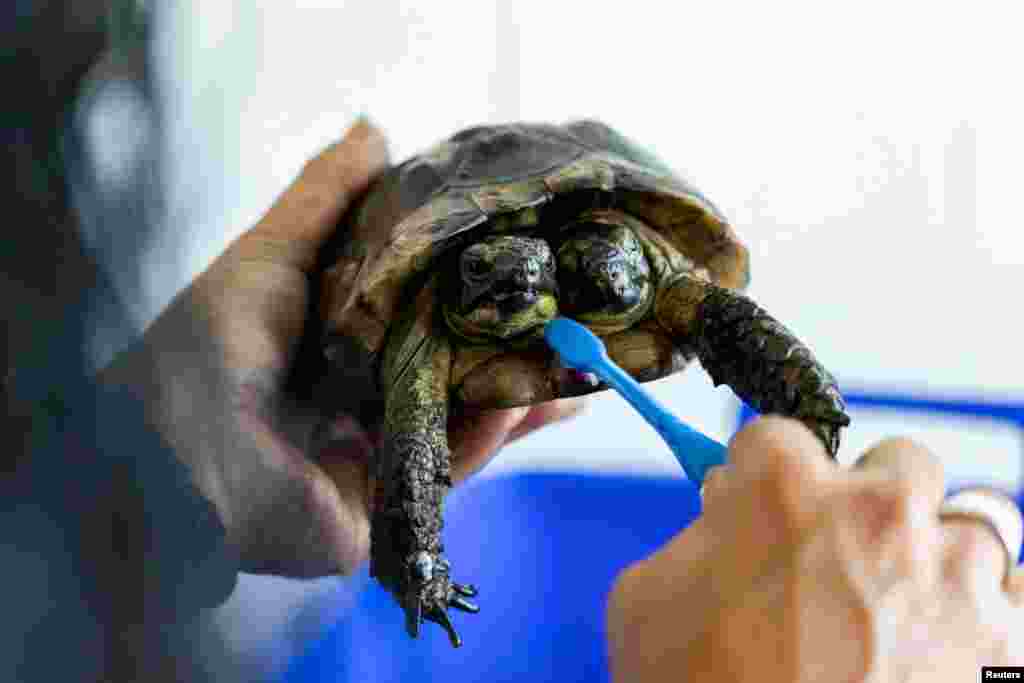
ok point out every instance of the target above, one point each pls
(468, 589)
(463, 604)
(440, 616)
(413, 614)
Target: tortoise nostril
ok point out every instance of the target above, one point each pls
(530, 275)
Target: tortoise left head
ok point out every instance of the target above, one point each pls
(505, 288)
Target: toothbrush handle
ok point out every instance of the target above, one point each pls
(694, 451)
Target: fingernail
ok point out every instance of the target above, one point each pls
(363, 126)
(367, 137)
(358, 127)
(715, 478)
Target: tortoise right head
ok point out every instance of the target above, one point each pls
(505, 288)
(604, 273)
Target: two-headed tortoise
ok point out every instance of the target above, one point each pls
(456, 258)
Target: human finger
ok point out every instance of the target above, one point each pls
(783, 465)
(772, 443)
(891, 495)
(476, 437)
(547, 413)
(1015, 586)
(312, 517)
(983, 529)
(909, 466)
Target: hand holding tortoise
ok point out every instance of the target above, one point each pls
(212, 371)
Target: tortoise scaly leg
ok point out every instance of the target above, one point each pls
(740, 345)
(412, 478)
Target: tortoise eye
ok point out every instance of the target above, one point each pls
(477, 266)
(567, 259)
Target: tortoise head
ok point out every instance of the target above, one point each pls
(604, 276)
(505, 288)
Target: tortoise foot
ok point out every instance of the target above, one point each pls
(431, 593)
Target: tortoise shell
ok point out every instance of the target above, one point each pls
(512, 176)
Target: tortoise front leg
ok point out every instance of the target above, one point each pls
(413, 475)
(740, 345)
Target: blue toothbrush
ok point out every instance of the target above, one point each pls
(581, 349)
